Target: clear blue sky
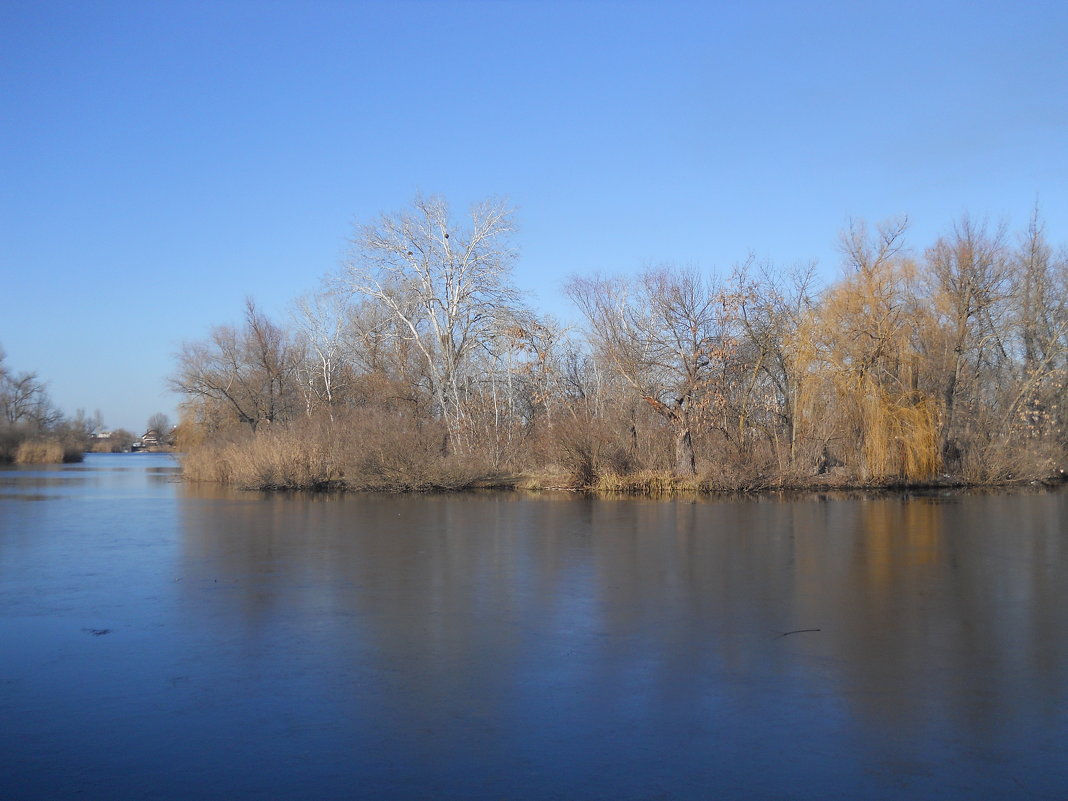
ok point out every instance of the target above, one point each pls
(161, 161)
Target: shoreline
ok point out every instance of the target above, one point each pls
(661, 486)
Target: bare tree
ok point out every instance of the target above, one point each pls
(84, 425)
(24, 399)
(248, 371)
(321, 319)
(771, 312)
(664, 332)
(160, 423)
(507, 387)
(446, 285)
(969, 271)
(1040, 318)
(1040, 298)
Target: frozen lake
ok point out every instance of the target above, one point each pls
(168, 641)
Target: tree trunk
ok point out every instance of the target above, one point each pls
(685, 460)
(949, 399)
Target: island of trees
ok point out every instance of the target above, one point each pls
(418, 365)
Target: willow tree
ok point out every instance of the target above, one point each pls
(664, 332)
(866, 331)
(447, 285)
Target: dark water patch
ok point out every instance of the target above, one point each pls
(25, 496)
(34, 480)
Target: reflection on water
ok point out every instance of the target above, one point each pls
(502, 645)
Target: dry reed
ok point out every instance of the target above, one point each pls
(375, 452)
(47, 451)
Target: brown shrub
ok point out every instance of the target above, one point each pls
(364, 450)
(39, 451)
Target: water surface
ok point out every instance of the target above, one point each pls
(160, 641)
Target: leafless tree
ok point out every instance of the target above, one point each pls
(160, 423)
(869, 252)
(665, 333)
(1040, 318)
(321, 319)
(969, 271)
(1040, 298)
(771, 311)
(24, 399)
(248, 371)
(446, 285)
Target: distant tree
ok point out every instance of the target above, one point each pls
(666, 334)
(771, 312)
(24, 399)
(969, 276)
(246, 373)
(82, 425)
(118, 440)
(446, 285)
(321, 321)
(865, 334)
(160, 423)
(1039, 318)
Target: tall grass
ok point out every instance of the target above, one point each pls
(47, 451)
(368, 452)
(384, 450)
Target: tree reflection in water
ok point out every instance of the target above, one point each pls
(505, 645)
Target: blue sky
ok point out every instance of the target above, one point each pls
(161, 161)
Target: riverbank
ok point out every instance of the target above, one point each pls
(665, 484)
(278, 462)
(40, 451)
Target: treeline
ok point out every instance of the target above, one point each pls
(32, 429)
(419, 365)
